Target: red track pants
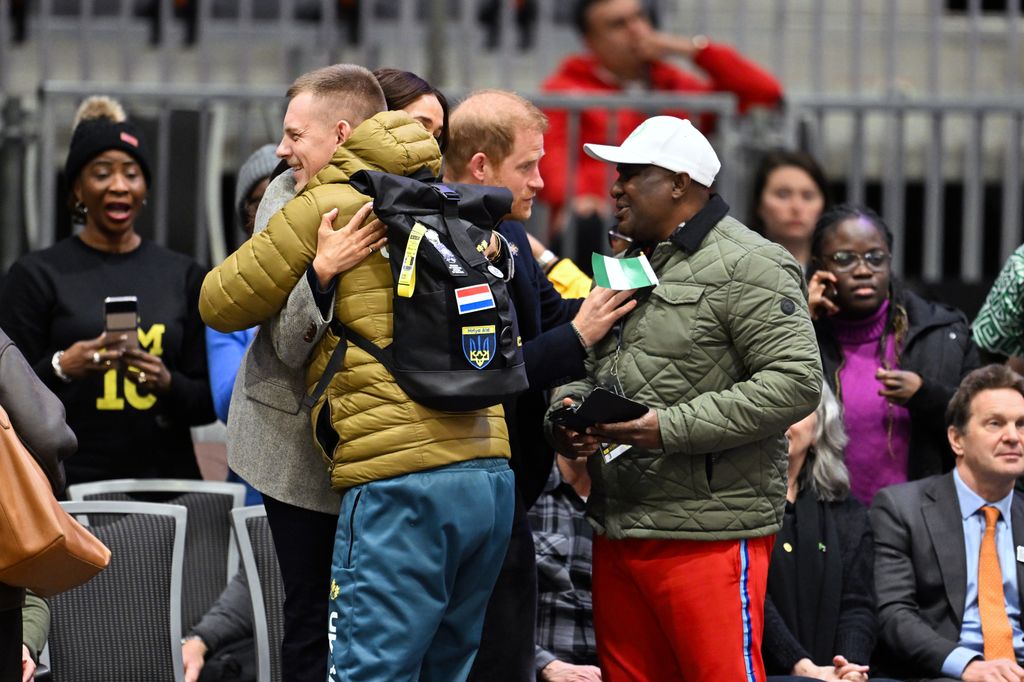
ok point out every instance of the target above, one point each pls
(680, 610)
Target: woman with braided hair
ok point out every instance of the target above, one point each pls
(892, 358)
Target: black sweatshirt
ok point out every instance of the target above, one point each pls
(54, 297)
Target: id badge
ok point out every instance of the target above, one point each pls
(610, 451)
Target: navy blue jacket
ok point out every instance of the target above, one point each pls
(553, 356)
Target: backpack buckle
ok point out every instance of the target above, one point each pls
(450, 199)
(446, 192)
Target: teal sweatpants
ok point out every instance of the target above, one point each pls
(415, 560)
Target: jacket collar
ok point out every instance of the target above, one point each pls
(942, 515)
(690, 236)
(391, 141)
(557, 485)
(970, 502)
(584, 70)
(554, 479)
(923, 314)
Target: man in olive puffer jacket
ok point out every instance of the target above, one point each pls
(427, 495)
(723, 353)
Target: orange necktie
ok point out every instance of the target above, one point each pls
(995, 625)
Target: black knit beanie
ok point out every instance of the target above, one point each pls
(93, 136)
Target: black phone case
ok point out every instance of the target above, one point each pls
(567, 417)
(600, 407)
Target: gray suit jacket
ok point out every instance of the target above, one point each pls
(921, 572)
(270, 437)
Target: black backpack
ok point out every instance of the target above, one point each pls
(456, 344)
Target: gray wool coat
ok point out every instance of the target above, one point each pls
(270, 437)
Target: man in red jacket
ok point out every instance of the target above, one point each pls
(626, 55)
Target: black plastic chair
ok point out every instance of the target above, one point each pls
(211, 557)
(259, 560)
(124, 625)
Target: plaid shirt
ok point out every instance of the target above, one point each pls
(565, 623)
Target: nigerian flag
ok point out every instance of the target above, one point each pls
(623, 273)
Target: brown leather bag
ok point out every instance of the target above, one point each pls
(42, 547)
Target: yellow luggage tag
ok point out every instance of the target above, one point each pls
(407, 275)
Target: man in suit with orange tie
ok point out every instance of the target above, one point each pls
(949, 549)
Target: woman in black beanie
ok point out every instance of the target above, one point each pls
(130, 398)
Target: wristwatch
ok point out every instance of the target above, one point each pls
(58, 372)
(546, 259)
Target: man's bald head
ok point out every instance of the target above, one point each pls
(487, 121)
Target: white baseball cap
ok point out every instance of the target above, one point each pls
(666, 141)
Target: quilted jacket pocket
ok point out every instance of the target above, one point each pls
(667, 329)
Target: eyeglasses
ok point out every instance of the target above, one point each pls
(614, 236)
(843, 261)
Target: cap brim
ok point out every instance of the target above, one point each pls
(612, 154)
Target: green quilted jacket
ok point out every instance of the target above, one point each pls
(724, 350)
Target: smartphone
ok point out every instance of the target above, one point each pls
(567, 417)
(121, 318)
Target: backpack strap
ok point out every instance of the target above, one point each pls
(450, 211)
(335, 362)
(505, 313)
(381, 355)
(337, 359)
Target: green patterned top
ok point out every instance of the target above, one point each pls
(999, 327)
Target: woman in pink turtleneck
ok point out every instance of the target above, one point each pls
(893, 359)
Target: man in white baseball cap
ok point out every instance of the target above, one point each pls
(723, 354)
(662, 148)
(666, 141)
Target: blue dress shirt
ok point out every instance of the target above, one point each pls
(971, 644)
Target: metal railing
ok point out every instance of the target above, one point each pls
(813, 46)
(936, 143)
(968, 143)
(899, 94)
(216, 106)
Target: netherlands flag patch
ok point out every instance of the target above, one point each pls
(474, 298)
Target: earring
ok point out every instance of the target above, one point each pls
(81, 209)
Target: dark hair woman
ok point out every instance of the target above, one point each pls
(788, 198)
(406, 91)
(892, 358)
(131, 401)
